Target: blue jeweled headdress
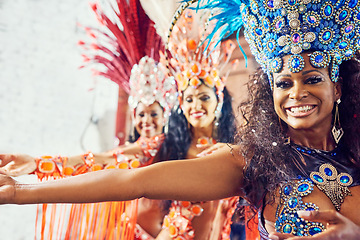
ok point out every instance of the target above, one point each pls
(328, 29)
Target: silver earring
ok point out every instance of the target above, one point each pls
(337, 130)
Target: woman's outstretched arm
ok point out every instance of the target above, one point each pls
(216, 176)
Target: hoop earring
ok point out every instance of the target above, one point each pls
(337, 130)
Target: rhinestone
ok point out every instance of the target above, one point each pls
(327, 171)
(277, 3)
(296, 50)
(259, 31)
(311, 19)
(306, 46)
(326, 35)
(318, 178)
(292, 2)
(328, 10)
(296, 38)
(294, 23)
(287, 228)
(271, 45)
(282, 40)
(310, 37)
(349, 28)
(343, 15)
(344, 179)
(306, 1)
(270, 4)
(287, 190)
(353, 3)
(293, 15)
(266, 24)
(319, 59)
(343, 45)
(293, 202)
(348, 53)
(303, 187)
(314, 230)
(279, 24)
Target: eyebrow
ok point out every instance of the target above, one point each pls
(303, 73)
(202, 93)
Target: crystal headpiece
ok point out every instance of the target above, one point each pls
(327, 29)
(149, 83)
(195, 60)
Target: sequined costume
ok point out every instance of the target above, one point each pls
(314, 168)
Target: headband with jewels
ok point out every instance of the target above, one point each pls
(194, 60)
(328, 29)
(150, 83)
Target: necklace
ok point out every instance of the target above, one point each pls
(205, 142)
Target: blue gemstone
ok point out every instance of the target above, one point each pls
(358, 16)
(328, 172)
(328, 10)
(311, 19)
(318, 178)
(259, 31)
(348, 53)
(271, 45)
(266, 24)
(343, 15)
(293, 202)
(326, 35)
(303, 187)
(254, 7)
(314, 230)
(292, 2)
(287, 190)
(343, 45)
(319, 59)
(344, 179)
(310, 209)
(353, 3)
(295, 63)
(287, 228)
(270, 3)
(349, 28)
(279, 24)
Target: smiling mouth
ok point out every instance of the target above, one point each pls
(301, 110)
(197, 114)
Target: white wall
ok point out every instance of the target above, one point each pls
(45, 100)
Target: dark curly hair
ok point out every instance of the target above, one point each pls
(262, 137)
(178, 138)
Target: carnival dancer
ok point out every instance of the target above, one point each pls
(152, 95)
(199, 121)
(298, 157)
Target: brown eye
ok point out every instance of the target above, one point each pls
(283, 84)
(314, 80)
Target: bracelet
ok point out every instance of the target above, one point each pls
(48, 166)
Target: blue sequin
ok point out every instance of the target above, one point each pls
(293, 202)
(303, 187)
(314, 230)
(328, 172)
(344, 179)
(318, 178)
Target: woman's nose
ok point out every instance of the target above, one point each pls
(298, 91)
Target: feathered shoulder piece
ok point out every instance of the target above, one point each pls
(130, 36)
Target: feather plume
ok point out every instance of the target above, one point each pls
(130, 35)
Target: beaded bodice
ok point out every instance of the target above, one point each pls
(333, 172)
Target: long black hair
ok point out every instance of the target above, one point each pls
(178, 138)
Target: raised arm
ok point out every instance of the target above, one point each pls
(216, 176)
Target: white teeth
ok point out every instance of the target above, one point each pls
(198, 114)
(301, 109)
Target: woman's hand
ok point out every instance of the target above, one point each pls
(7, 189)
(338, 226)
(17, 164)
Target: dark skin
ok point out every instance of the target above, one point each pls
(218, 175)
